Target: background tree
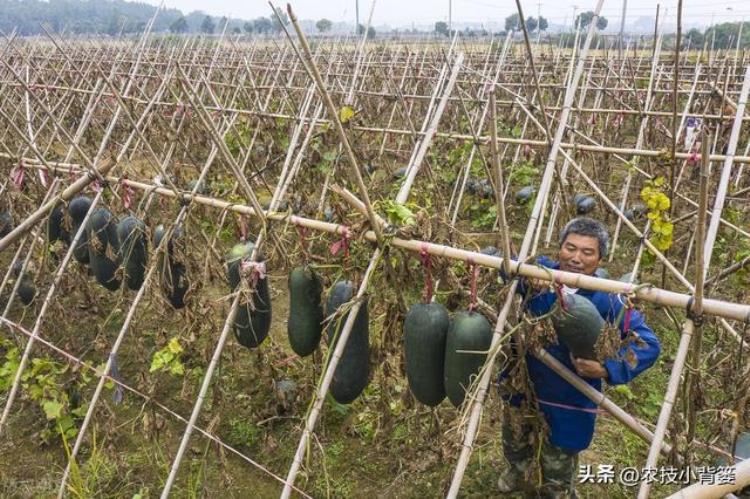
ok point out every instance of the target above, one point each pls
(585, 18)
(512, 22)
(441, 28)
(284, 19)
(370, 31)
(248, 27)
(726, 35)
(208, 26)
(223, 23)
(263, 25)
(116, 22)
(543, 24)
(695, 37)
(531, 24)
(179, 25)
(324, 25)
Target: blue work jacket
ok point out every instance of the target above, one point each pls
(570, 427)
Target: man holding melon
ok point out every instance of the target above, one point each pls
(568, 414)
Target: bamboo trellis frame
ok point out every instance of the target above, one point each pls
(237, 87)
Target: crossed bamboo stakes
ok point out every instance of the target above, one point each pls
(215, 88)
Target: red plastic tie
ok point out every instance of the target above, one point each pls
(43, 178)
(693, 158)
(561, 296)
(253, 272)
(426, 260)
(18, 174)
(127, 193)
(342, 244)
(626, 320)
(302, 231)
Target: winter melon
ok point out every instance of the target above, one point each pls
(131, 232)
(353, 370)
(77, 209)
(103, 248)
(253, 320)
(425, 331)
(305, 323)
(174, 279)
(578, 326)
(468, 332)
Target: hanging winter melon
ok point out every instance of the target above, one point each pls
(425, 331)
(353, 370)
(55, 226)
(469, 332)
(305, 323)
(103, 248)
(131, 233)
(174, 280)
(253, 320)
(578, 325)
(26, 290)
(77, 209)
(6, 223)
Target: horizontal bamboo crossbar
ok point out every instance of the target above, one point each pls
(652, 294)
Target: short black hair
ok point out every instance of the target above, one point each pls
(584, 226)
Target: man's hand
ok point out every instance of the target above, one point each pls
(589, 368)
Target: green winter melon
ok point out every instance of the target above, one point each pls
(425, 330)
(469, 331)
(253, 320)
(353, 370)
(131, 233)
(174, 280)
(306, 317)
(77, 209)
(578, 326)
(103, 248)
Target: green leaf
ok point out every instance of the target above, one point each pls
(52, 409)
(177, 368)
(400, 214)
(516, 131)
(174, 346)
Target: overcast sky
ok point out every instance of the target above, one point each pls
(398, 13)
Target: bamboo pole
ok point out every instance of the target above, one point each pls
(499, 186)
(700, 272)
(477, 403)
(229, 321)
(334, 117)
(689, 325)
(741, 473)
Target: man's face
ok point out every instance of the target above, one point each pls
(579, 254)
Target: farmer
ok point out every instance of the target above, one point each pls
(569, 414)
